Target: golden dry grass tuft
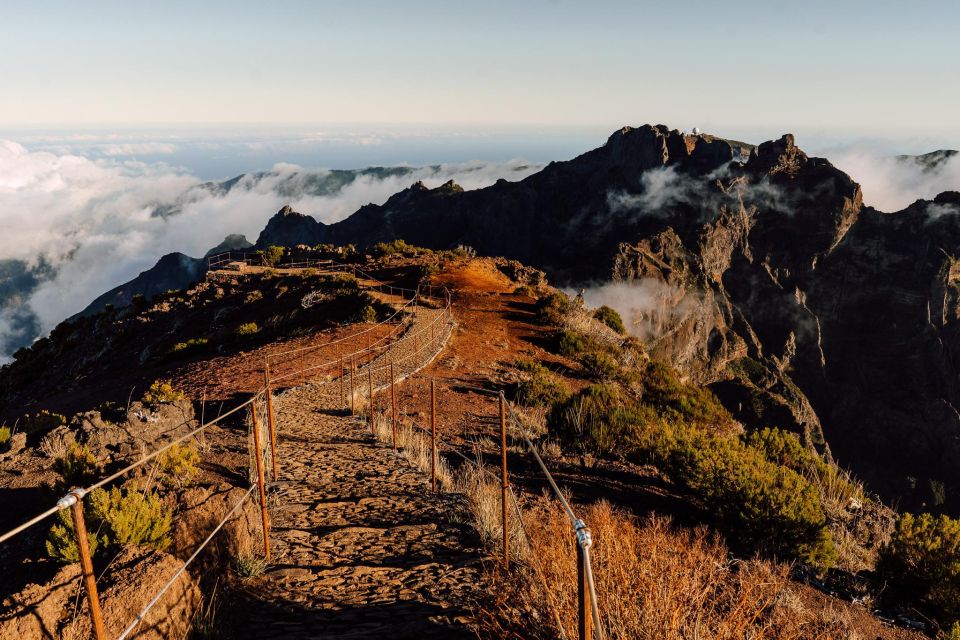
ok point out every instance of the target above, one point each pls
(654, 581)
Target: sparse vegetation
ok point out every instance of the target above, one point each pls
(247, 329)
(253, 296)
(571, 344)
(77, 467)
(599, 365)
(273, 255)
(179, 464)
(114, 518)
(398, 247)
(922, 562)
(162, 392)
(41, 421)
(367, 314)
(539, 388)
(5, 435)
(610, 317)
(552, 308)
(193, 344)
(250, 565)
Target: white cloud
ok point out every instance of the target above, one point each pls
(890, 184)
(136, 149)
(94, 221)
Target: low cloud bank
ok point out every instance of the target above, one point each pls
(87, 225)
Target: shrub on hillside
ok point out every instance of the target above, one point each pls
(571, 344)
(253, 296)
(5, 435)
(922, 562)
(247, 329)
(113, 518)
(598, 421)
(610, 317)
(41, 421)
(398, 247)
(599, 365)
(162, 392)
(273, 255)
(366, 314)
(674, 399)
(77, 467)
(538, 388)
(178, 464)
(193, 344)
(552, 308)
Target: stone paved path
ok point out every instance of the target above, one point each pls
(362, 548)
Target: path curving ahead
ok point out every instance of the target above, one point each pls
(361, 546)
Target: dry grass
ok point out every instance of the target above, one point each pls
(654, 581)
(414, 446)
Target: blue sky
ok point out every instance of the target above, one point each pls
(746, 68)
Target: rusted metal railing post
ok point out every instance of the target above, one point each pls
(504, 486)
(270, 427)
(393, 405)
(86, 566)
(433, 433)
(343, 400)
(352, 394)
(370, 396)
(584, 613)
(260, 485)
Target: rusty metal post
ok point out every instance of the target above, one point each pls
(270, 427)
(343, 400)
(370, 396)
(352, 398)
(433, 433)
(263, 494)
(86, 565)
(504, 485)
(393, 405)
(585, 622)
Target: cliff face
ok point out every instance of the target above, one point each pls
(771, 282)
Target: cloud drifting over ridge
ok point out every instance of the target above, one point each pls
(94, 224)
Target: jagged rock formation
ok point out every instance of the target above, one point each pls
(773, 283)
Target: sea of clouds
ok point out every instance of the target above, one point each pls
(87, 224)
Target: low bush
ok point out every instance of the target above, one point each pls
(273, 255)
(525, 291)
(922, 563)
(398, 247)
(247, 329)
(179, 464)
(610, 317)
(253, 296)
(599, 365)
(249, 565)
(162, 392)
(538, 388)
(77, 467)
(41, 421)
(113, 518)
(598, 421)
(5, 435)
(366, 314)
(571, 344)
(193, 344)
(552, 308)
(674, 399)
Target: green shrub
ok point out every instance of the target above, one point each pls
(538, 388)
(247, 329)
(598, 421)
(42, 420)
(61, 542)
(178, 464)
(113, 518)
(571, 344)
(132, 517)
(190, 345)
(398, 247)
(922, 562)
(674, 399)
(367, 314)
(599, 365)
(763, 504)
(5, 435)
(250, 566)
(610, 317)
(77, 467)
(162, 392)
(552, 308)
(273, 255)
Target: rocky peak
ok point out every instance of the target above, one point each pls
(778, 157)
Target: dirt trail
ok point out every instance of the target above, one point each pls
(362, 548)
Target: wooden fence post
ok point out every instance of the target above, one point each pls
(263, 494)
(585, 622)
(86, 566)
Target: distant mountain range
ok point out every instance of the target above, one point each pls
(775, 285)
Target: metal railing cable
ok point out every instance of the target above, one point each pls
(584, 537)
(183, 567)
